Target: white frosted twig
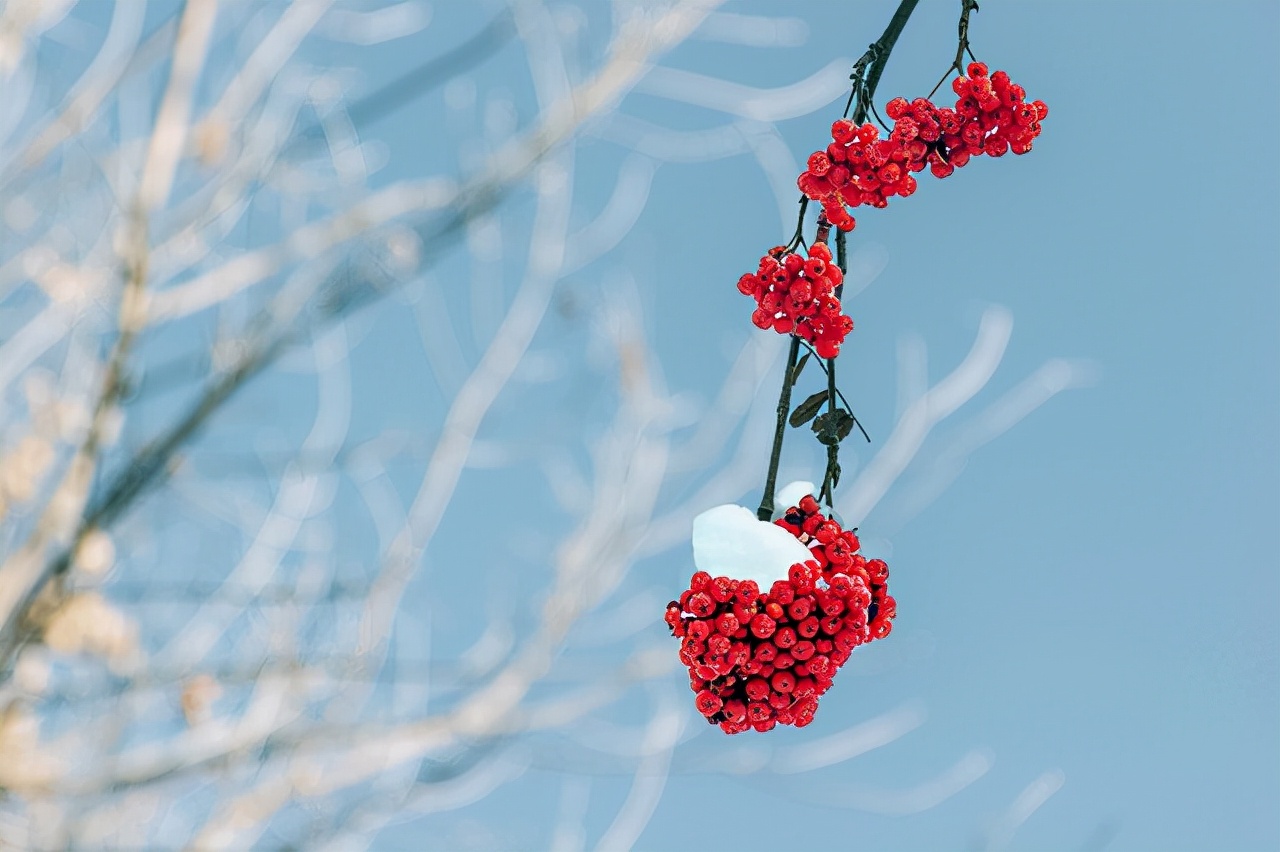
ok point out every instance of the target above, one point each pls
(300, 490)
(246, 270)
(620, 214)
(97, 81)
(660, 738)
(849, 743)
(23, 571)
(921, 416)
(753, 30)
(173, 120)
(791, 101)
(36, 336)
(425, 798)
(922, 797)
(667, 145)
(588, 567)
(737, 395)
(628, 61)
(1024, 805)
(270, 55)
(778, 164)
(469, 407)
(276, 700)
(1052, 378)
(570, 834)
(546, 260)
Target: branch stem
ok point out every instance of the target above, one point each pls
(962, 46)
(866, 77)
(765, 512)
(874, 60)
(832, 474)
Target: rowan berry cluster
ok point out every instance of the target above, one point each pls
(759, 659)
(798, 296)
(991, 116)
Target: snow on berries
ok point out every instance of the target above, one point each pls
(757, 658)
(797, 296)
(991, 116)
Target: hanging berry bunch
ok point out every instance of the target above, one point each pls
(991, 116)
(759, 659)
(780, 601)
(798, 296)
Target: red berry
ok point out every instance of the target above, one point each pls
(708, 703)
(763, 626)
(843, 131)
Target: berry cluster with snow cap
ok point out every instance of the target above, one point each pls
(991, 116)
(759, 659)
(798, 296)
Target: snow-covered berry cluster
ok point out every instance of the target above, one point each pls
(991, 116)
(798, 296)
(761, 658)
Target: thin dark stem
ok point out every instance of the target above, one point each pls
(833, 449)
(876, 57)
(798, 238)
(866, 77)
(765, 512)
(822, 365)
(842, 260)
(876, 114)
(962, 47)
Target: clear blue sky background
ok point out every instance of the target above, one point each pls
(1096, 593)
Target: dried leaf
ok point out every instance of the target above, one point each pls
(804, 411)
(832, 427)
(795, 374)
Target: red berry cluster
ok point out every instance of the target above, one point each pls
(759, 659)
(991, 116)
(797, 296)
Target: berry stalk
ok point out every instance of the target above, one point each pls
(831, 477)
(866, 79)
(765, 512)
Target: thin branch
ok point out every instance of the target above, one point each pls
(765, 512)
(631, 52)
(58, 527)
(962, 46)
(867, 70)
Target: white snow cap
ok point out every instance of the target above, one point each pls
(729, 540)
(790, 495)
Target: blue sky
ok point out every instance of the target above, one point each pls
(1086, 610)
(1092, 600)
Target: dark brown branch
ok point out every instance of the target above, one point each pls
(765, 512)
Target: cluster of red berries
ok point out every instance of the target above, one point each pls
(991, 116)
(759, 659)
(798, 296)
